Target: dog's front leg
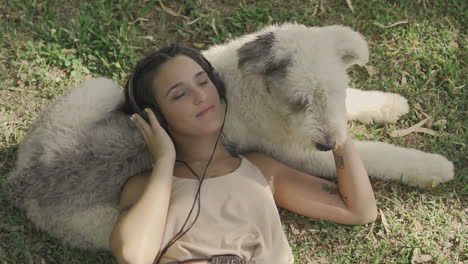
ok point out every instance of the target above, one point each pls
(410, 166)
(374, 106)
(382, 161)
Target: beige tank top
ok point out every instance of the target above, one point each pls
(238, 215)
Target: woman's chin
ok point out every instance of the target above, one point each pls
(202, 131)
(213, 130)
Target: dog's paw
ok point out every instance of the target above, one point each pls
(431, 170)
(375, 106)
(392, 108)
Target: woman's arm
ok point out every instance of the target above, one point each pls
(353, 182)
(137, 234)
(350, 202)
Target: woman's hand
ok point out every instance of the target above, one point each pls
(338, 153)
(156, 138)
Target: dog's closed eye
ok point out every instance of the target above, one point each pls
(298, 104)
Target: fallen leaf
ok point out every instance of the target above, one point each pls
(370, 70)
(350, 5)
(419, 111)
(384, 221)
(429, 123)
(431, 76)
(213, 26)
(427, 131)
(403, 80)
(315, 11)
(440, 122)
(150, 38)
(69, 51)
(193, 21)
(170, 10)
(391, 25)
(270, 19)
(322, 7)
(420, 259)
(406, 131)
(294, 230)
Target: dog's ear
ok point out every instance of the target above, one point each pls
(350, 45)
(260, 56)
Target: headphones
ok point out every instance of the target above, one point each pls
(214, 77)
(212, 74)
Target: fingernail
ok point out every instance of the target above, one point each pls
(131, 118)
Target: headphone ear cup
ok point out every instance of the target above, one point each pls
(145, 116)
(162, 121)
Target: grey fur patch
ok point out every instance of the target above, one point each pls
(278, 68)
(258, 54)
(67, 171)
(257, 49)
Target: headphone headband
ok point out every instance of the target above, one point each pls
(131, 95)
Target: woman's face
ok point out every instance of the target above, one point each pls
(183, 90)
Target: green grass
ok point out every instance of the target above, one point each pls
(47, 47)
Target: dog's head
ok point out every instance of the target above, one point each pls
(304, 74)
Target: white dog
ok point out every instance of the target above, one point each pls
(288, 97)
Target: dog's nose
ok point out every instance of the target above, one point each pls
(325, 146)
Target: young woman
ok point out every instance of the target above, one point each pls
(239, 194)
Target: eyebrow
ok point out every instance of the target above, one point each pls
(179, 83)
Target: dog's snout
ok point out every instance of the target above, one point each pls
(329, 145)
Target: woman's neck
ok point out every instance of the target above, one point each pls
(198, 150)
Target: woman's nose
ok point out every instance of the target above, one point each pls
(199, 94)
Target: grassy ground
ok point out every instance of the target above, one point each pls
(46, 47)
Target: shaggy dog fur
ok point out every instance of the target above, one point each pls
(288, 97)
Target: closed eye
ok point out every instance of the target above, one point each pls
(179, 93)
(298, 104)
(177, 97)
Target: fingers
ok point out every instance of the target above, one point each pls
(142, 125)
(147, 129)
(151, 116)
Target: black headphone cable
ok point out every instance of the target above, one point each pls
(197, 197)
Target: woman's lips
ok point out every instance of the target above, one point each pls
(205, 111)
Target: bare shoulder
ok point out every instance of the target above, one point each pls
(261, 158)
(133, 188)
(267, 165)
